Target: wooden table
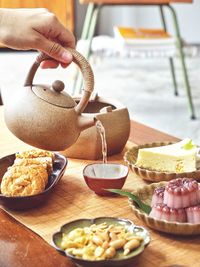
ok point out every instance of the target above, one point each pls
(72, 200)
(135, 2)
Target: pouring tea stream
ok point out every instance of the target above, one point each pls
(102, 133)
(45, 116)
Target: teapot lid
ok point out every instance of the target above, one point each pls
(54, 94)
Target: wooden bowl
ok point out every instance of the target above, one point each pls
(119, 259)
(28, 202)
(130, 158)
(145, 194)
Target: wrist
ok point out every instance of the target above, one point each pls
(4, 24)
(3, 12)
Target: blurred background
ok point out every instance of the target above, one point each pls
(140, 79)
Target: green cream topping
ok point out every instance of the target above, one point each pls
(189, 145)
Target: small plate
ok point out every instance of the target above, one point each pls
(117, 260)
(130, 158)
(27, 202)
(145, 194)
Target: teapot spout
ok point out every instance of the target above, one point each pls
(85, 122)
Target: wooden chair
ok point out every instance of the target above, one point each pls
(94, 7)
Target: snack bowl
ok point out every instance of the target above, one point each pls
(28, 202)
(145, 194)
(130, 158)
(100, 176)
(119, 259)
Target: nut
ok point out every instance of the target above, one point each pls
(117, 244)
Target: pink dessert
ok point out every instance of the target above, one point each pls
(181, 193)
(163, 212)
(199, 193)
(158, 196)
(193, 214)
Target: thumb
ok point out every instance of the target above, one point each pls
(55, 50)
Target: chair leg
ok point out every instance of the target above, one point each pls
(171, 62)
(84, 36)
(87, 34)
(182, 59)
(87, 21)
(92, 27)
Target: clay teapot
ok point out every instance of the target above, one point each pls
(116, 121)
(45, 116)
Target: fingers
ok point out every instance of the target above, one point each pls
(55, 31)
(64, 65)
(66, 38)
(52, 38)
(55, 50)
(52, 64)
(49, 64)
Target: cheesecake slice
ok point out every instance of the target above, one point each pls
(178, 157)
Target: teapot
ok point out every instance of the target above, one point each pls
(114, 116)
(46, 117)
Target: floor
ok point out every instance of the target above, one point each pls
(143, 85)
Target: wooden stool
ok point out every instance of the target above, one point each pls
(90, 23)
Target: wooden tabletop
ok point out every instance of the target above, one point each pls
(73, 200)
(134, 2)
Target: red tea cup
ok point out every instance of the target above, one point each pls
(100, 176)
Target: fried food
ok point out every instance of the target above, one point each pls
(24, 180)
(29, 173)
(35, 153)
(46, 162)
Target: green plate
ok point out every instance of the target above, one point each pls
(119, 259)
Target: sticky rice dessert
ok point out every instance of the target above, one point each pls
(199, 193)
(163, 212)
(158, 196)
(181, 193)
(193, 214)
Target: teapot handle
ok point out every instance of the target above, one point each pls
(88, 76)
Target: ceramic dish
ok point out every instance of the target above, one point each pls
(145, 194)
(118, 260)
(27, 202)
(99, 176)
(130, 158)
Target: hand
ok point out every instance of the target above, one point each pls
(25, 29)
